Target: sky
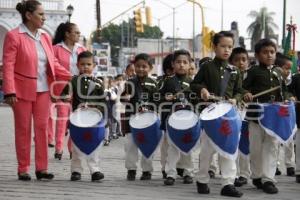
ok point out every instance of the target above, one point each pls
(233, 10)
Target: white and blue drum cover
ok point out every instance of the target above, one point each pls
(222, 124)
(184, 130)
(87, 129)
(146, 133)
(279, 120)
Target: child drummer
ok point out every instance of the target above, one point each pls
(224, 80)
(174, 85)
(85, 90)
(263, 147)
(139, 94)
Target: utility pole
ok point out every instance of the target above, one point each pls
(193, 30)
(222, 15)
(98, 13)
(283, 24)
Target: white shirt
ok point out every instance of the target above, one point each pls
(42, 83)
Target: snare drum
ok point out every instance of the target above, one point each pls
(279, 120)
(184, 130)
(222, 124)
(146, 133)
(87, 129)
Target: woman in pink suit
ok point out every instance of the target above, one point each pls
(66, 49)
(29, 67)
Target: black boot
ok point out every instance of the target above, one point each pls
(230, 191)
(240, 181)
(24, 177)
(278, 172)
(187, 180)
(131, 175)
(297, 178)
(58, 156)
(202, 188)
(169, 181)
(164, 174)
(97, 176)
(75, 176)
(43, 175)
(145, 176)
(180, 172)
(290, 171)
(211, 174)
(269, 188)
(257, 183)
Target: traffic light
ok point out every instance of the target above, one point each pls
(138, 22)
(148, 16)
(207, 38)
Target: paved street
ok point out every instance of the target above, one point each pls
(114, 186)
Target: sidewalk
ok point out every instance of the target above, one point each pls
(114, 185)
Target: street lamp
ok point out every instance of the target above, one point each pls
(70, 10)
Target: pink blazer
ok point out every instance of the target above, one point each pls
(63, 57)
(20, 65)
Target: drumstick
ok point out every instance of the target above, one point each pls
(266, 91)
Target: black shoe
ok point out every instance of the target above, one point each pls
(187, 180)
(257, 183)
(106, 142)
(75, 176)
(269, 188)
(58, 156)
(24, 177)
(240, 181)
(164, 174)
(290, 171)
(50, 145)
(169, 181)
(230, 191)
(43, 175)
(180, 172)
(202, 188)
(278, 172)
(211, 174)
(146, 176)
(297, 178)
(131, 175)
(97, 176)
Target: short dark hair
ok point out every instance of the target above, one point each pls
(221, 34)
(145, 57)
(236, 51)
(85, 54)
(281, 59)
(180, 52)
(264, 43)
(167, 63)
(27, 6)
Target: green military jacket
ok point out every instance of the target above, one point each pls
(259, 78)
(87, 90)
(211, 75)
(142, 91)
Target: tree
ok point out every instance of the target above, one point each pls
(123, 35)
(263, 25)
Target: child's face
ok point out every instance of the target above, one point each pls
(181, 65)
(86, 66)
(241, 61)
(224, 48)
(192, 69)
(130, 71)
(267, 55)
(286, 68)
(142, 68)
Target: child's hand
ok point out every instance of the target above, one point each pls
(204, 94)
(232, 101)
(248, 97)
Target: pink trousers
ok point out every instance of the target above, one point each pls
(58, 125)
(24, 112)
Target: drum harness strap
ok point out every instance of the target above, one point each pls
(224, 81)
